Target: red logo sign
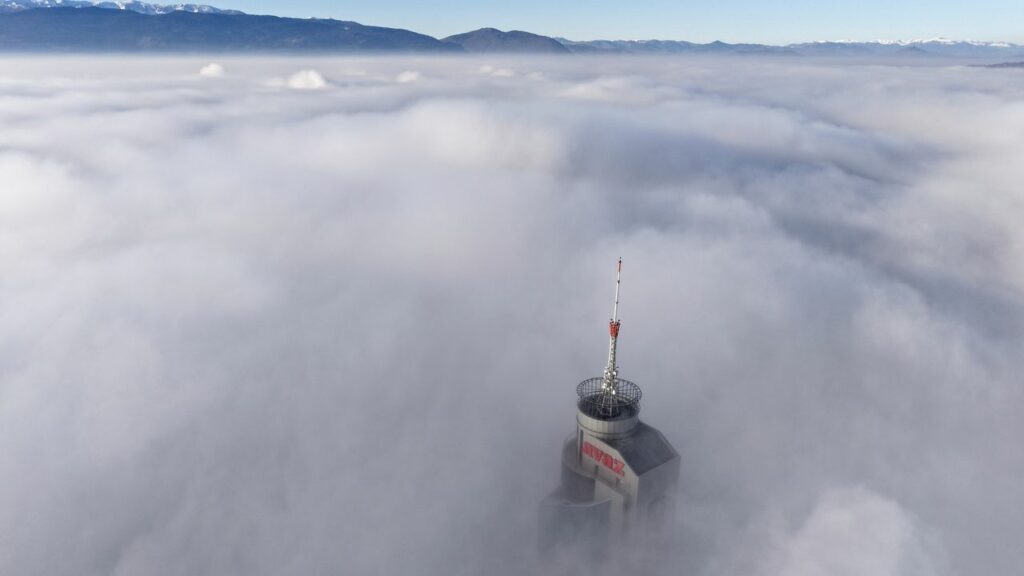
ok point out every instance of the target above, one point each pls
(605, 459)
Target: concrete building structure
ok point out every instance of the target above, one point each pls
(619, 475)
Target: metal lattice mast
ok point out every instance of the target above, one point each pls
(609, 385)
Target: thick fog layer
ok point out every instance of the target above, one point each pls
(326, 316)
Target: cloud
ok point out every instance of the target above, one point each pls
(407, 77)
(497, 72)
(264, 332)
(306, 80)
(212, 70)
(852, 532)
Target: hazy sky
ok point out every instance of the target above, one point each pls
(771, 21)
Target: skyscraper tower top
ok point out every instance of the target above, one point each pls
(619, 475)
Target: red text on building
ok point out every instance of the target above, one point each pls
(603, 458)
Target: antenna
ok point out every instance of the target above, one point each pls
(609, 385)
(618, 282)
(609, 398)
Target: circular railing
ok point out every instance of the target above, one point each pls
(620, 401)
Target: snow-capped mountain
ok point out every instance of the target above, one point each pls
(132, 5)
(921, 42)
(919, 47)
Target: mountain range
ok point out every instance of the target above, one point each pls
(7, 6)
(95, 29)
(105, 26)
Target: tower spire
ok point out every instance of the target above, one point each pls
(609, 385)
(609, 398)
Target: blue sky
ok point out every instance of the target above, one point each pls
(765, 21)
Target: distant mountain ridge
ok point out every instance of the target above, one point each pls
(1007, 65)
(130, 26)
(668, 47)
(907, 48)
(7, 6)
(514, 41)
(102, 30)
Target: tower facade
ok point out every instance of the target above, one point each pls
(619, 475)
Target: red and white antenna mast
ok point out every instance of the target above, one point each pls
(609, 398)
(609, 385)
